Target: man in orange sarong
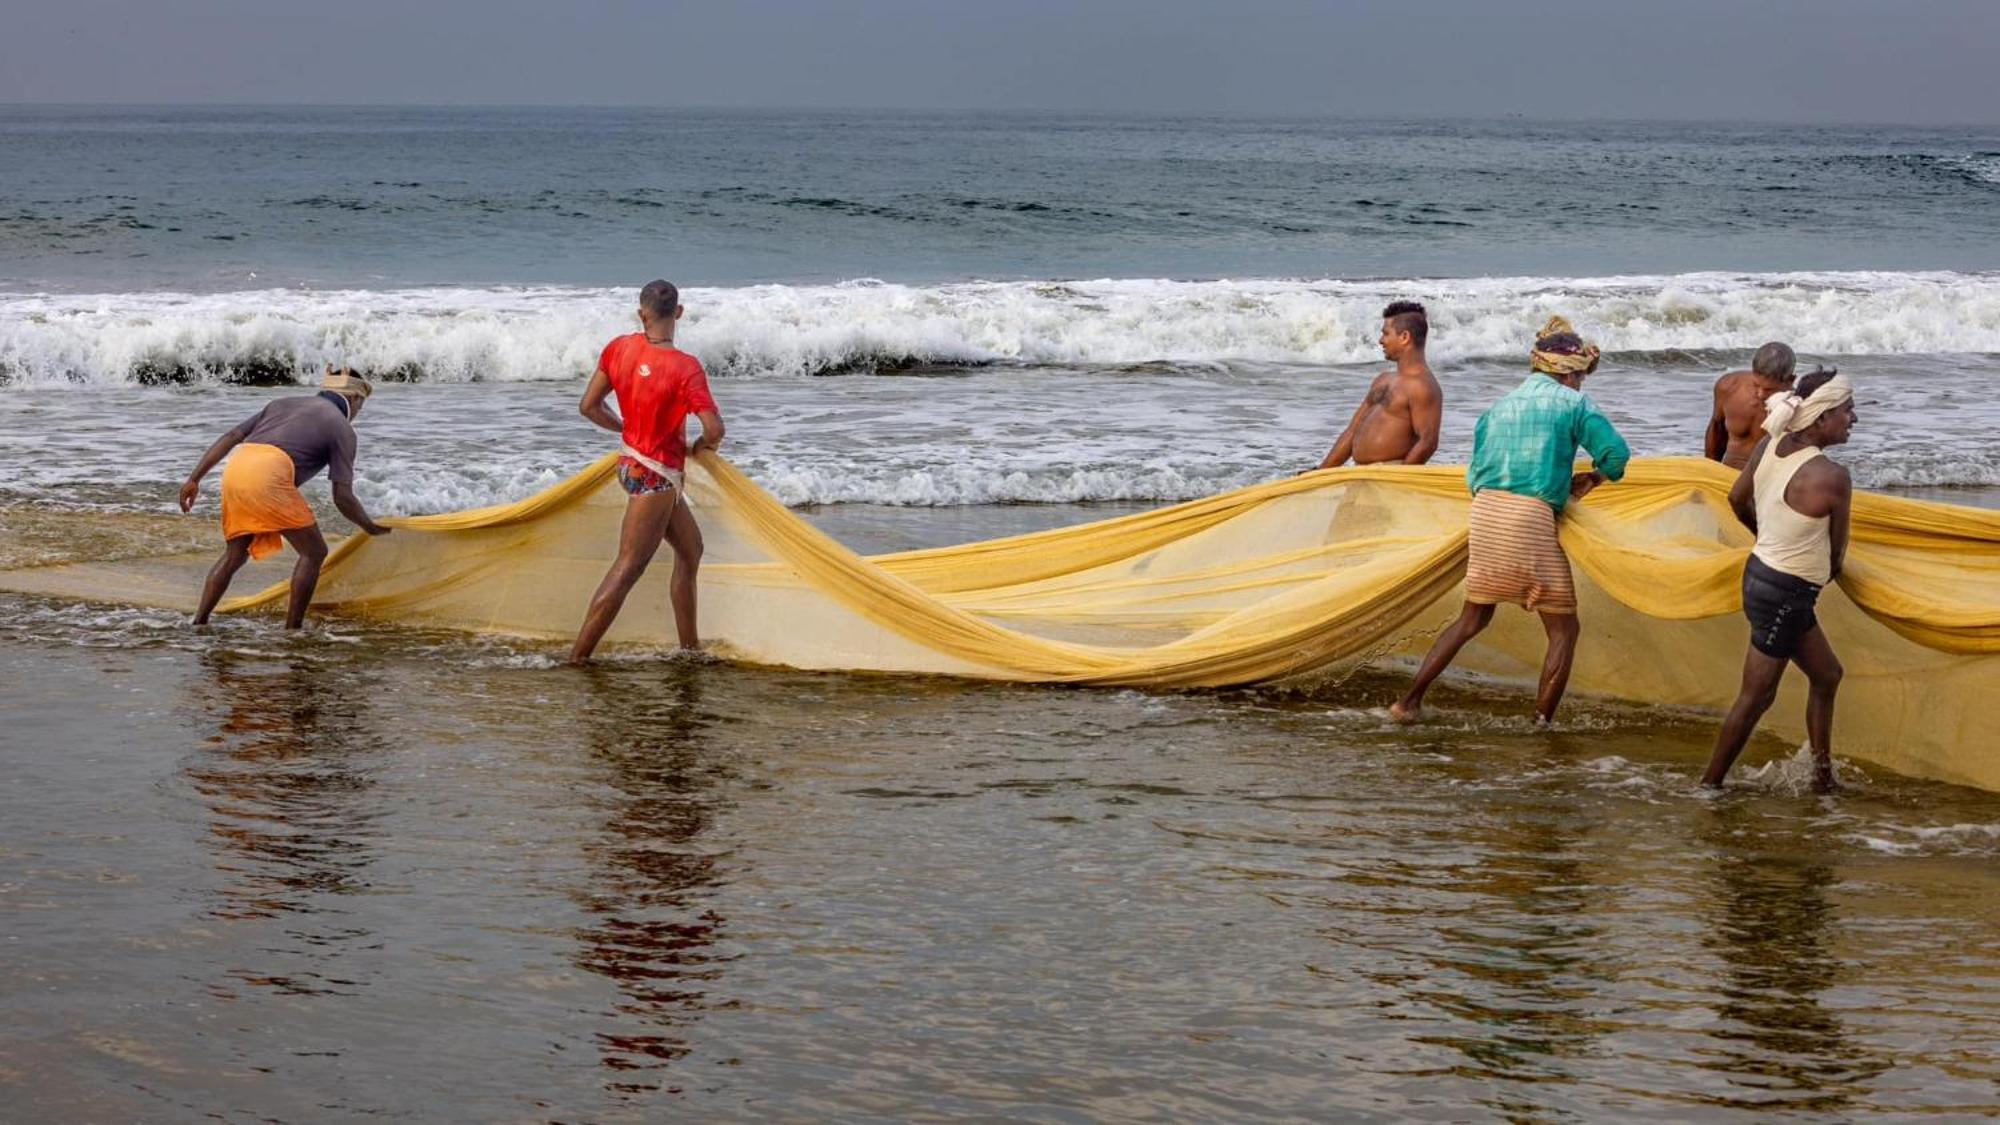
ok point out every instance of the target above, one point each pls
(276, 450)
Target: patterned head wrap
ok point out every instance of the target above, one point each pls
(1789, 412)
(1555, 356)
(346, 382)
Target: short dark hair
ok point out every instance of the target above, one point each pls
(660, 298)
(1820, 377)
(1774, 361)
(1408, 316)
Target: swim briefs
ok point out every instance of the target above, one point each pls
(639, 480)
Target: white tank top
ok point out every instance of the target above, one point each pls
(1787, 541)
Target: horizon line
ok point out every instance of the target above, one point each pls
(1045, 111)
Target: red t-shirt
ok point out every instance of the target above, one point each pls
(657, 389)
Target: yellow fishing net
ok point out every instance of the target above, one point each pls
(1302, 578)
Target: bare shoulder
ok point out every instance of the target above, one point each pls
(1418, 384)
(1829, 475)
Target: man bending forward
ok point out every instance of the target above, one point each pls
(271, 454)
(658, 386)
(1398, 420)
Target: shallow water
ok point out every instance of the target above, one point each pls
(367, 871)
(995, 437)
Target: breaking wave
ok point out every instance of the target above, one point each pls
(778, 331)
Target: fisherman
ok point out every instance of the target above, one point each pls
(1797, 501)
(1398, 420)
(1738, 421)
(276, 450)
(1522, 474)
(658, 386)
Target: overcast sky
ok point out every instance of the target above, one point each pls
(1914, 61)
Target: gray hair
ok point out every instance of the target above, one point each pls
(1774, 361)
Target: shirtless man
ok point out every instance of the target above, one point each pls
(1738, 423)
(1398, 421)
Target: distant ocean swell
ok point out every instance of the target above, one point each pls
(523, 334)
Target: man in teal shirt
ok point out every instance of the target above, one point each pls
(1523, 473)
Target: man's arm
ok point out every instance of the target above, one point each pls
(1343, 446)
(1743, 494)
(1840, 494)
(711, 432)
(191, 488)
(1715, 444)
(1608, 452)
(350, 506)
(593, 406)
(1426, 420)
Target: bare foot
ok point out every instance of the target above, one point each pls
(1406, 712)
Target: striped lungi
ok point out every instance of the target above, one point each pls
(1515, 556)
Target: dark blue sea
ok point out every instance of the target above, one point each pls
(120, 199)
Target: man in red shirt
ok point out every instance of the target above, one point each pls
(658, 386)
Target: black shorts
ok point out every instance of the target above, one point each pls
(1780, 608)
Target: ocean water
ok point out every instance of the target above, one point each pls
(1100, 309)
(375, 198)
(369, 871)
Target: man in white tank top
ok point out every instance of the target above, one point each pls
(1797, 501)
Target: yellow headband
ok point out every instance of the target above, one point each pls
(1562, 363)
(342, 382)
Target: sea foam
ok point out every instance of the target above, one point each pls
(521, 334)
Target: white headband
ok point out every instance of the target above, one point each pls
(1790, 413)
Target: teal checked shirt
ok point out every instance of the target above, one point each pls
(1526, 443)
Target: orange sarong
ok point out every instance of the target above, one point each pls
(259, 498)
(1514, 556)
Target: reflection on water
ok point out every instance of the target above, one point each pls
(1515, 968)
(371, 873)
(655, 929)
(285, 780)
(1770, 923)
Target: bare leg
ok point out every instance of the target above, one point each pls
(311, 546)
(684, 536)
(235, 553)
(1471, 621)
(1562, 629)
(1760, 686)
(639, 537)
(1823, 672)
